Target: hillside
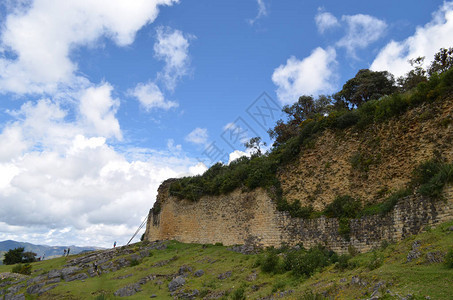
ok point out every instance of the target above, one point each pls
(171, 270)
(40, 250)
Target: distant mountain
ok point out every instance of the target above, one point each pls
(40, 250)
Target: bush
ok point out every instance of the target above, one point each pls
(17, 255)
(449, 259)
(134, 262)
(22, 269)
(431, 176)
(270, 263)
(306, 263)
(343, 207)
(376, 261)
(344, 262)
(238, 294)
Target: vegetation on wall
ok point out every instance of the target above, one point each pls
(368, 98)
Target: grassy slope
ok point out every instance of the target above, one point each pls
(417, 277)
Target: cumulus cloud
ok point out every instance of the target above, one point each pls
(36, 43)
(361, 31)
(150, 96)
(172, 47)
(198, 136)
(262, 11)
(98, 109)
(426, 41)
(78, 187)
(325, 21)
(312, 75)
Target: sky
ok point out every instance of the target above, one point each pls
(102, 100)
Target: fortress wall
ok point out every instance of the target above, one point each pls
(251, 217)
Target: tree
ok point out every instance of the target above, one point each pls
(17, 255)
(443, 61)
(414, 76)
(366, 85)
(255, 144)
(305, 108)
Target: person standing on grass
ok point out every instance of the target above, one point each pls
(114, 244)
(69, 249)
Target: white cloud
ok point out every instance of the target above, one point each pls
(198, 136)
(98, 109)
(36, 43)
(262, 11)
(426, 41)
(362, 30)
(325, 20)
(312, 75)
(172, 47)
(150, 96)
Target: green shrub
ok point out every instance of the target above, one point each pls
(344, 262)
(343, 207)
(270, 262)
(431, 177)
(22, 269)
(238, 294)
(343, 228)
(390, 106)
(376, 260)
(306, 263)
(278, 286)
(134, 262)
(449, 259)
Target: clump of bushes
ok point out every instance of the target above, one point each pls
(22, 269)
(430, 177)
(449, 259)
(307, 262)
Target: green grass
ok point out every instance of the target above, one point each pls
(417, 277)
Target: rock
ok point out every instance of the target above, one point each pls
(343, 279)
(198, 273)
(125, 276)
(184, 270)
(47, 288)
(450, 228)
(153, 296)
(252, 277)
(128, 290)
(54, 274)
(186, 295)
(34, 289)
(14, 297)
(36, 279)
(176, 283)
(414, 253)
(53, 280)
(435, 257)
(15, 289)
(80, 276)
(69, 271)
(225, 275)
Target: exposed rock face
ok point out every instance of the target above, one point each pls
(390, 151)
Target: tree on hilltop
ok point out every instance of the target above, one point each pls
(17, 255)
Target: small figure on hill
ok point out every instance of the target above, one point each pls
(43, 257)
(69, 249)
(114, 244)
(95, 267)
(64, 252)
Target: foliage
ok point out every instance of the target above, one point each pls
(443, 61)
(22, 269)
(270, 262)
(431, 177)
(17, 255)
(376, 260)
(238, 294)
(295, 209)
(362, 161)
(449, 259)
(343, 207)
(306, 263)
(255, 144)
(387, 205)
(344, 262)
(366, 85)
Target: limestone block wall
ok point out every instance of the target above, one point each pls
(242, 217)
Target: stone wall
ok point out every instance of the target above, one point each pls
(242, 217)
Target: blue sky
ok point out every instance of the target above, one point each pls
(100, 101)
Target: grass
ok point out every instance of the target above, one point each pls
(417, 277)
